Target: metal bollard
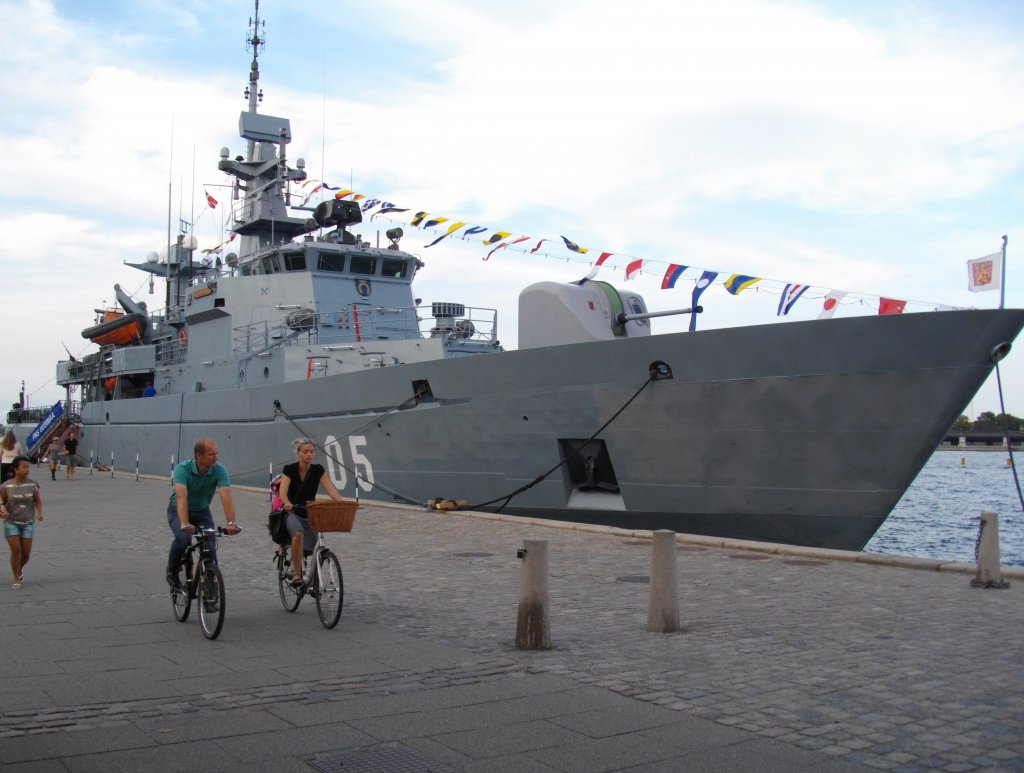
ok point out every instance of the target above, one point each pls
(533, 625)
(986, 554)
(136, 466)
(111, 464)
(663, 599)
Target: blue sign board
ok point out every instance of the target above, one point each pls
(48, 422)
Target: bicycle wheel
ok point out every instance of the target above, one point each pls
(211, 599)
(330, 591)
(290, 597)
(180, 598)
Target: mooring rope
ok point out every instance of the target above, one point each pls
(451, 505)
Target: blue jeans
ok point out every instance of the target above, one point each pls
(201, 519)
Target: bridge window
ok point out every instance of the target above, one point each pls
(394, 268)
(331, 261)
(363, 264)
(295, 261)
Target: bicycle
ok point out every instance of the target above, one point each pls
(202, 580)
(321, 574)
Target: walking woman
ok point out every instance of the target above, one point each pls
(300, 482)
(53, 452)
(9, 449)
(20, 507)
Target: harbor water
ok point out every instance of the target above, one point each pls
(938, 516)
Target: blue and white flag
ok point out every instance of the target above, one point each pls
(698, 289)
(790, 296)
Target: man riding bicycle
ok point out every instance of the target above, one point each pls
(194, 483)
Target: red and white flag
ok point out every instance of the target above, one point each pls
(210, 200)
(831, 303)
(985, 273)
(633, 268)
(600, 262)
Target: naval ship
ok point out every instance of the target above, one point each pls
(805, 433)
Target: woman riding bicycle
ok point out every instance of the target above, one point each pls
(300, 482)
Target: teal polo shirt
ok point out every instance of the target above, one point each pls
(201, 488)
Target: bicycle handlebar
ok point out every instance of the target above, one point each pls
(220, 531)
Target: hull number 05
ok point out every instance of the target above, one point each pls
(353, 458)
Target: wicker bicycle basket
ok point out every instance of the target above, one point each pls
(332, 516)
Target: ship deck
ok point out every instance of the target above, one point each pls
(789, 660)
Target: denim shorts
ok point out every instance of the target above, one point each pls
(23, 530)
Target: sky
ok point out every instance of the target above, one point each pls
(868, 147)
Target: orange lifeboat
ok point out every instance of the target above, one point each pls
(116, 328)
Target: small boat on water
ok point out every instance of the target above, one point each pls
(798, 432)
(116, 328)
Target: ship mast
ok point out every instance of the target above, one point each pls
(262, 175)
(253, 92)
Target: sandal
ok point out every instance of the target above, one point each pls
(16, 585)
(296, 582)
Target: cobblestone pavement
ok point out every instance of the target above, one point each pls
(883, 667)
(894, 668)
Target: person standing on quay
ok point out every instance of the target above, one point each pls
(71, 446)
(20, 507)
(195, 482)
(10, 448)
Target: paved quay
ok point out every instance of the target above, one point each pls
(787, 661)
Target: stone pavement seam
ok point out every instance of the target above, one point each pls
(23, 722)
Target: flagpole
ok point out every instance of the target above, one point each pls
(1002, 281)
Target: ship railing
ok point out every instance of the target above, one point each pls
(27, 415)
(171, 351)
(349, 325)
(473, 324)
(72, 411)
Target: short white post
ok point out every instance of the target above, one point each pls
(90, 462)
(663, 600)
(988, 572)
(136, 466)
(533, 624)
(270, 482)
(111, 464)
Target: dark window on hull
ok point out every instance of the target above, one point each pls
(588, 465)
(421, 389)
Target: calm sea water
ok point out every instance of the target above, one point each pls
(938, 516)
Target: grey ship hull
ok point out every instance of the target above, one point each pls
(805, 432)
